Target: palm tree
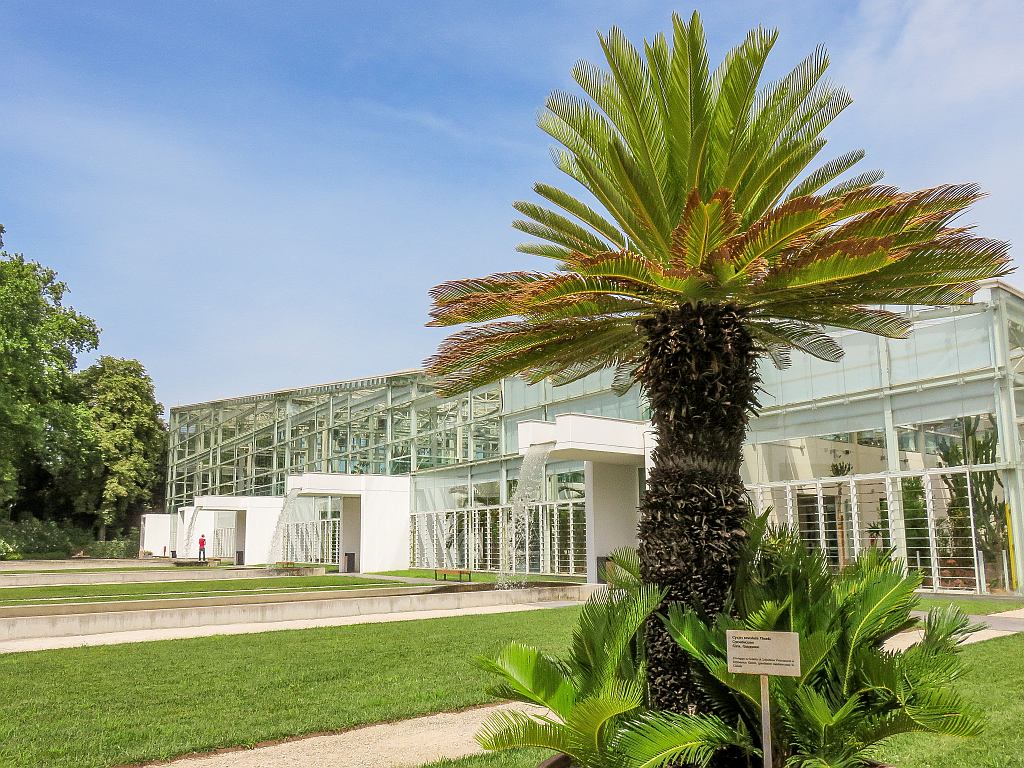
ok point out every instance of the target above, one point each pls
(711, 245)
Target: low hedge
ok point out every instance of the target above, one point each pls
(32, 539)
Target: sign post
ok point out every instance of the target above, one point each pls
(764, 654)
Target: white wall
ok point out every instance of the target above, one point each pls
(156, 535)
(384, 513)
(351, 529)
(189, 548)
(613, 495)
(382, 527)
(384, 538)
(261, 513)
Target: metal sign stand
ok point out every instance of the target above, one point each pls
(766, 723)
(764, 654)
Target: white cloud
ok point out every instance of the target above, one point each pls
(938, 90)
(922, 58)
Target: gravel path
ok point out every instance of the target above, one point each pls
(387, 745)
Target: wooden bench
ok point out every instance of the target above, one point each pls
(446, 572)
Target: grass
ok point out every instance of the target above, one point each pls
(163, 566)
(479, 576)
(520, 758)
(1001, 696)
(156, 589)
(157, 565)
(114, 705)
(975, 606)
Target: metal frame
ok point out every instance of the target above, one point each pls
(762, 492)
(542, 551)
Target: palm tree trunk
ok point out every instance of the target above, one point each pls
(700, 376)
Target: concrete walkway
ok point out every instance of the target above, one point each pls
(995, 625)
(400, 579)
(402, 744)
(177, 633)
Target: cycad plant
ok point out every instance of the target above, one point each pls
(586, 693)
(852, 695)
(853, 692)
(707, 235)
(591, 697)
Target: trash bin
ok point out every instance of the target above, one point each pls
(602, 563)
(240, 557)
(350, 562)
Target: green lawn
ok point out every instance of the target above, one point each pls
(975, 606)
(155, 589)
(1000, 695)
(115, 705)
(526, 758)
(1002, 745)
(481, 576)
(121, 569)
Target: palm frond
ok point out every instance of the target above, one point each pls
(528, 675)
(702, 187)
(511, 729)
(664, 738)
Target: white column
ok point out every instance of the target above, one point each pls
(612, 499)
(894, 505)
(1009, 437)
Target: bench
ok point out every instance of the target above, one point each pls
(446, 572)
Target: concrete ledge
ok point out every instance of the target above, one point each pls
(70, 577)
(199, 601)
(80, 563)
(21, 628)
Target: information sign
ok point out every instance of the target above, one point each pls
(763, 653)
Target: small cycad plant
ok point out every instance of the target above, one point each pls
(853, 692)
(590, 696)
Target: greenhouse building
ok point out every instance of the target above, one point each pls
(912, 444)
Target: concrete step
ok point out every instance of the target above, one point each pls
(123, 617)
(70, 577)
(66, 608)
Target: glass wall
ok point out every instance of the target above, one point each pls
(386, 425)
(900, 446)
(911, 443)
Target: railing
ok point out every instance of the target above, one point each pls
(223, 542)
(950, 523)
(555, 541)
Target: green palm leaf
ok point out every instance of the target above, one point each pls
(706, 193)
(528, 675)
(663, 738)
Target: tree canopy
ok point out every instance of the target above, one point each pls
(130, 435)
(40, 339)
(83, 446)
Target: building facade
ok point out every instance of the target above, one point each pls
(913, 444)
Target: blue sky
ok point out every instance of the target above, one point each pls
(251, 195)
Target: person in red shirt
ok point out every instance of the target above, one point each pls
(202, 548)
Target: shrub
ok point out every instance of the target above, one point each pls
(126, 547)
(8, 551)
(851, 695)
(31, 538)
